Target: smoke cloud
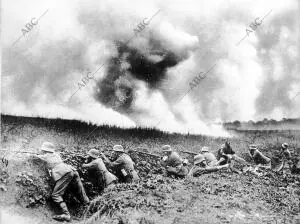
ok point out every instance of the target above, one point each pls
(118, 88)
(145, 81)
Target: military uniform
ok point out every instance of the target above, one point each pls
(225, 154)
(62, 174)
(174, 165)
(99, 170)
(210, 159)
(286, 158)
(198, 171)
(260, 159)
(201, 167)
(124, 167)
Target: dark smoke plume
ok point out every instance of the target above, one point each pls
(117, 89)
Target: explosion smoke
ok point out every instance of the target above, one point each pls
(117, 89)
(141, 82)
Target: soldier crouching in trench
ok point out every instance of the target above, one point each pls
(94, 164)
(63, 175)
(173, 163)
(123, 165)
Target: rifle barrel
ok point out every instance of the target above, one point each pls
(18, 151)
(26, 152)
(149, 154)
(188, 152)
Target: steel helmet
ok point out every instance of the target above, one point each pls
(94, 153)
(285, 145)
(252, 146)
(205, 149)
(48, 147)
(166, 148)
(118, 148)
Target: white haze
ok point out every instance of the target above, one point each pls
(256, 79)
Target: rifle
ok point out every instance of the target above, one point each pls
(145, 153)
(30, 152)
(189, 152)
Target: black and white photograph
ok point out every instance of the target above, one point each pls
(150, 112)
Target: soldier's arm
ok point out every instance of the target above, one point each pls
(220, 160)
(264, 157)
(41, 157)
(44, 159)
(198, 171)
(289, 159)
(89, 165)
(105, 158)
(117, 162)
(211, 169)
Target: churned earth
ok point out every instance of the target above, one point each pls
(221, 197)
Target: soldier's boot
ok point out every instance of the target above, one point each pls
(65, 216)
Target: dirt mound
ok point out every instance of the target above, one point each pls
(33, 190)
(217, 197)
(148, 195)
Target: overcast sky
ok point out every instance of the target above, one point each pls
(250, 75)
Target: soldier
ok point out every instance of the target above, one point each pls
(123, 165)
(98, 170)
(201, 167)
(210, 158)
(259, 159)
(173, 163)
(227, 155)
(285, 155)
(63, 175)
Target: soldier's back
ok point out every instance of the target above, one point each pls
(210, 158)
(127, 161)
(174, 160)
(99, 164)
